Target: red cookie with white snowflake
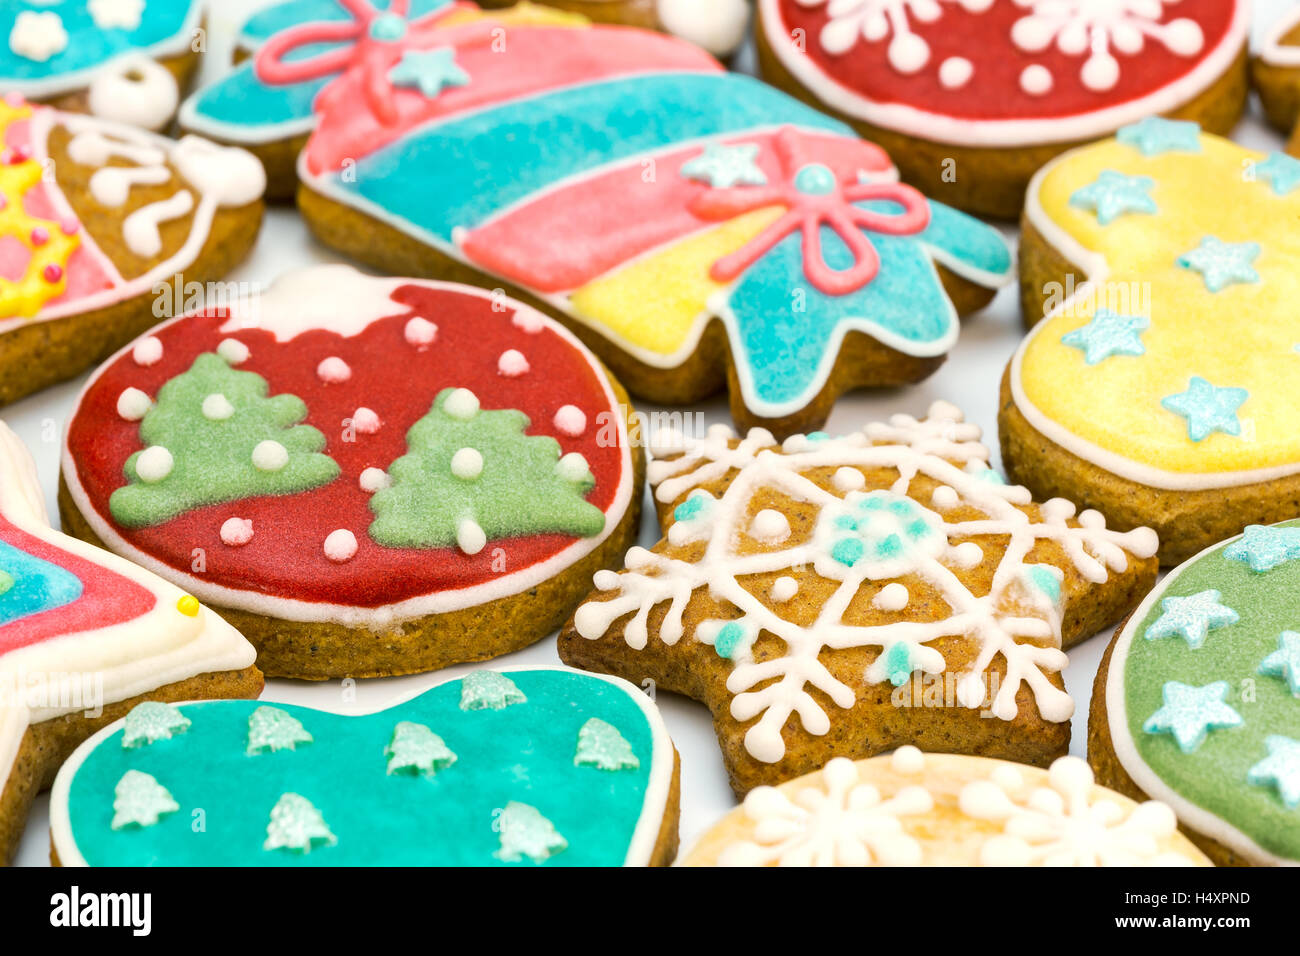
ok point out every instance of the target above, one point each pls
(971, 97)
(367, 476)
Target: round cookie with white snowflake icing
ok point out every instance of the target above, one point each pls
(123, 60)
(972, 96)
(371, 476)
(1197, 702)
(1161, 386)
(1275, 70)
(916, 809)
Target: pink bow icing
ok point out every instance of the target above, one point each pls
(816, 193)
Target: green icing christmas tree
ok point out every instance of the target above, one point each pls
(600, 745)
(150, 722)
(214, 435)
(526, 833)
(417, 749)
(297, 825)
(471, 476)
(271, 729)
(139, 800)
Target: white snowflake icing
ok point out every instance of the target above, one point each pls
(1016, 620)
(873, 20)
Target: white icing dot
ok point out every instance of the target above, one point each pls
(1036, 80)
(148, 351)
(1007, 777)
(236, 532)
(908, 760)
(340, 545)
(462, 404)
(512, 363)
(529, 320)
(270, 456)
(420, 332)
(892, 597)
(770, 527)
(373, 479)
(784, 588)
(233, 351)
(333, 370)
(217, 408)
(467, 464)
(848, 479)
(955, 72)
(573, 467)
(967, 554)
(945, 498)
(365, 421)
(154, 464)
(570, 420)
(469, 536)
(133, 404)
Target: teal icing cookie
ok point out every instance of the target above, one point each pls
(572, 769)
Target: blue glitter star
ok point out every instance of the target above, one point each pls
(1114, 194)
(1281, 171)
(1154, 136)
(1285, 661)
(1264, 547)
(1109, 334)
(1208, 409)
(1191, 618)
(1281, 769)
(1190, 713)
(429, 71)
(1222, 263)
(723, 167)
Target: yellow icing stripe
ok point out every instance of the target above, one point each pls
(653, 303)
(1244, 336)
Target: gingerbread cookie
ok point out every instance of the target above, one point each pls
(122, 60)
(884, 587)
(84, 636)
(915, 809)
(1276, 74)
(972, 96)
(1167, 262)
(695, 227)
(719, 26)
(366, 476)
(1197, 702)
(542, 767)
(99, 218)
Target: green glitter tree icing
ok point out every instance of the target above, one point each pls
(214, 435)
(297, 825)
(471, 476)
(139, 800)
(488, 690)
(415, 749)
(271, 729)
(526, 833)
(600, 745)
(150, 722)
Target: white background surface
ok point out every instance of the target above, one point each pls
(969, 379)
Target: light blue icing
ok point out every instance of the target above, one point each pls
(1207, 408)
(241, 100)
(1113, 195)
(1109, 333)
(1281, 172)
(37, 585)
(429, 71)
(1190, 713)
(1264, 547)
(1155, 135)
(522, 754)
(1191, 617)
(1222, 264)
(266, 23)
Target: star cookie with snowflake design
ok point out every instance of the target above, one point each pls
(972, 96)
(842, 596)
(1275, 71)
(1166, 263)
(700, 230)
(917, 809)
(368, 476)
(1197, 702)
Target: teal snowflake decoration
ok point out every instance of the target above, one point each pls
(1285, 661)
(416, 749)
(1108, 334)
(526, 833)
(139, 800)
(887, 532)
(297, 825)
(488, 690)
(1114, 195)
(723, 167)
(271, 729)
(150, 722)
(1281, 769)
(1190, 713)
(1264, 547)
(1155, 135)
(1191, 617)
(1207, 408)
(600, 745)
(1222, 263)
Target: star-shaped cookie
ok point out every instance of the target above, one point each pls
(843, 596)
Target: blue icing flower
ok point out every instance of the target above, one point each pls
(1207, 408)
(1108, 334)
(34, 585)
(1114, 194)
(1155, 135)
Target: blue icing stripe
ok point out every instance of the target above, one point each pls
(476, 165)
(241, 99)
(266, 23)
(88, 44)
(522, 753)
(36, 585)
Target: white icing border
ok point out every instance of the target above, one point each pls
(441, 602)
(933, 127)
(644, 837)
(1276, 53)
(1199, 819)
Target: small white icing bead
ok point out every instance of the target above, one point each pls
(333, 370)
(133, 404)
(512, 363)
(470, 537)
(572, 467)
(1036, 80)
(770, 527)
(784, 588)
(462, 404)
(217, 408)
(892, 597)
(154, 464)
(467, 464)
(528, 320)
(967, 554)
(570, 420)
(270, 456)
(945, 498)
(908, 759)
(340, 545)
(148, 351)
(373, 479)
(236, 532)
(420, 332)
(955, 72)
(365, 421)
(848, 479)
(233, 351)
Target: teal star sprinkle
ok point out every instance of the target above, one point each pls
(1114, 195)
(1191, 618)
(1222, 264)
(1109, 334)
(1190, 713)
(1281, 769)
(1207, 409)
(1281, 171)
(1285, 661)
(1264, 548)
(429, 71)
(1154, 136)
(723, 167)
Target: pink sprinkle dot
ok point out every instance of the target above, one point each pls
(570, 420)
(40, 236)
(3, 202)
(53, 272)
(69, 226)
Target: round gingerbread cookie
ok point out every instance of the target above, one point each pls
(915, 809)
(123, 60)
(1161, 386)
(367, 476)
(544, 767)
(972, 96)
(1197, 702)
(1275, 70)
